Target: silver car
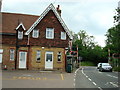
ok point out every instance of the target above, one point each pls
(105, 67)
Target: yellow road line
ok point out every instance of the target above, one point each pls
(62, 77)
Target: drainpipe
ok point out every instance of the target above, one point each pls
(28, 54)
(16, 50)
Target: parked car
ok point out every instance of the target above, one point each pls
(105, 67)
(98, 65)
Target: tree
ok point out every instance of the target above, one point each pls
(87, 47)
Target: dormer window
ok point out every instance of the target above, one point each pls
(49, 33)
(63, 35)
(20, 34)
(35, 33)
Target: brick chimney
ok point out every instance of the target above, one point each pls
(58, 10)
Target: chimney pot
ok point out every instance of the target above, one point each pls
(58, 10)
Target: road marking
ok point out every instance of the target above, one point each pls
(112, 76)
(94, 83)
(115, 85)
(89, 79)
(62, 77)
(100, 88)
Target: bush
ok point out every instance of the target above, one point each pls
(87, 63)
(116, 69)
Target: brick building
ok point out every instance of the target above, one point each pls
(34, 42)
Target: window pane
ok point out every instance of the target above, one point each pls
(20, 34)
(59, 56)
(35, 33)
(63, 35)
(11, 54)
(38, 55)
(49, 57)
(49, 33)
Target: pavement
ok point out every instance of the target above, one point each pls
(37, 79)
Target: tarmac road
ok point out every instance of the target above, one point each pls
(90, 77)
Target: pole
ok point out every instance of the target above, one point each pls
(108, 55)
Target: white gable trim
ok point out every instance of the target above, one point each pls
(21, 24)
(50, 7)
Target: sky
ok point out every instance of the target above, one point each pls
(93, 16)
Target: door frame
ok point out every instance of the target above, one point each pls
(25, 60)
(1, 52)
(49, 52)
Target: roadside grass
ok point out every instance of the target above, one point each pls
(87, 63)
(116, 69)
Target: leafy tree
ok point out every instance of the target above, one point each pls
(87, 48)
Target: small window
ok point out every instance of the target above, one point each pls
(20, 34)
(38, 56)
(35, 33)
(12, 51)
(63, 35)
(59, 56)
(50, 33)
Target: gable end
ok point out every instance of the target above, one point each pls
(50, 7)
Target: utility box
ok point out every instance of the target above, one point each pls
(69, 63)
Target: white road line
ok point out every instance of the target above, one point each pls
(75, 76)
(100, 88)
(89, 79)
(94, 83)
(115, 85)
(112, 76)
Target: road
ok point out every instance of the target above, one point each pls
(90, 77)
(82, 78)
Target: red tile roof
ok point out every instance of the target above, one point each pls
(11, 20)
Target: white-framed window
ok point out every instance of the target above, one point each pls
(59, 56)
(50, 33)
(12, 52)
(38, 55)
(35, 33)
(20, 34)
(63, 35)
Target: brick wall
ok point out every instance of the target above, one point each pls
(41, 64)
(49, 20)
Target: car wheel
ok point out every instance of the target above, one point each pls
(110, 70)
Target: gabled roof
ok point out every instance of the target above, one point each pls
(11, 20)
(50, 7)
(21, 24)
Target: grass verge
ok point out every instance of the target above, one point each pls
(87, 63)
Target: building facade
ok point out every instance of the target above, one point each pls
(34, 42)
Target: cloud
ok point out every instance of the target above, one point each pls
(100, 39)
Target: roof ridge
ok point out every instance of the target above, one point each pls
(19, 14)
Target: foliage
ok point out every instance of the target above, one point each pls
(88, 48)
(87, 63)
(113, 39)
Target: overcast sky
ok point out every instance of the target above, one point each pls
(93, 16)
